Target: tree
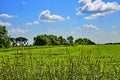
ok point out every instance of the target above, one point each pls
(84, 41)
(21, 41)
(4, 39)
(38, 40)
(70, 39)
(88, 41)
(60, 38)
(13, 41)
(46, 40)
(64, 42)
(49, 40)
(53, 39)
(79, 41)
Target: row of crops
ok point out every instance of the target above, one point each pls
(98, 62)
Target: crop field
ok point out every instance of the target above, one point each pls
(84, 62)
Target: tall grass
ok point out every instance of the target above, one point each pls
(61, 63)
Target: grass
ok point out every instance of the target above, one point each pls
(85, 62)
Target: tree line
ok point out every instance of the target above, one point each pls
(40, 40)
(54, 40)
(112, 43)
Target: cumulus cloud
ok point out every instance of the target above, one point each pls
(14, 31)
(95, 9)
(31, 23)
(6, 16)
(91, 26)
(5, 23)
(94, 16)
(48, 17)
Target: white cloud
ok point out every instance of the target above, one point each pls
(5, 23)
(91, 26)
(68, 18)
(6, 16)
(18, 31)
(79, 13)
(94, 16)
(31, 23)
(35, 22)
(98, 8)
(46, 16)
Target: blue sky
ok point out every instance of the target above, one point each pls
(98, 20)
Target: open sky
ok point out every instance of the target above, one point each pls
(98, 20)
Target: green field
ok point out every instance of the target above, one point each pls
(84, 62)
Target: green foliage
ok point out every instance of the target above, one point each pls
(70, 39)
(84, 62)
(62, 41)
(38, 40)
(4, 39)
(79, 41)
(45, 39)
(84, 41)
(13, 41)
(49, 40)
